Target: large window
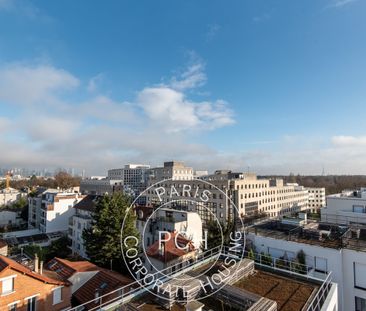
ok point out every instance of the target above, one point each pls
(360, 304)
(359, 272)
(321, 264)
(7, 285)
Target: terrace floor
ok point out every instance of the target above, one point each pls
(289, 294)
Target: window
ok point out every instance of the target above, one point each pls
(13, 306)
(358, 209)
(360, 304)
(359, 271)
(57, 295)
(321, 264)
(7, 285)
(32, 303)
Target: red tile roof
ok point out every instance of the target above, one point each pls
(66, 268)
(103, 282)
(171, 250)
(7, 263)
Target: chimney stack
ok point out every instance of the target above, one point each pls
(41, 267)
(36, 263)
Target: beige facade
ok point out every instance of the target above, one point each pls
(250, 194)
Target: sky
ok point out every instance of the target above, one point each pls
(274, 87)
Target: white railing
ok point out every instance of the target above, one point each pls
(124, 294)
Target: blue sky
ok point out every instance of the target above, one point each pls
(278, 86)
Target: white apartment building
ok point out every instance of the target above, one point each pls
(56, 209)
(9, 196)
(326, 249)
(34, 206)
(150, 222)
(348, 207)
(79, 221)
(316, 198)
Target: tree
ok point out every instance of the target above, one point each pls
(217, 236)
(103, 239)
(65, 180)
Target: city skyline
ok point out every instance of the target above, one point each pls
(276, 87)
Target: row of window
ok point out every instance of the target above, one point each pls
(8, 287)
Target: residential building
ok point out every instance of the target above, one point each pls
(80, 220)
(150, 223)
(348, 207)
(328, 248)
(173, 251)
(23, 289)
(11, 218)
(56, 210)
(9, 196)
(87, 280)
(316, 199)
(35, 205)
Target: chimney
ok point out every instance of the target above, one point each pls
(36, 263)
(41, 267)
(162, 247)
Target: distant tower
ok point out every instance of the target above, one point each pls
(323, 171)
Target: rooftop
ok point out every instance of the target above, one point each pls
(170, 250)
(313, 232)
(7, 263)
(87, 203)
(350, 194)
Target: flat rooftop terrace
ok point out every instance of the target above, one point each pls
(289, 294)
(253, 292)
(314, 233)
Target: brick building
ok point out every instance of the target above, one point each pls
(22, 289)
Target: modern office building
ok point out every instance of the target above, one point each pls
(250, 194)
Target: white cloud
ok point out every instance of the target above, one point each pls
(349, 141)
(22, 84)
(194, 76)
(340, 3)
(170, 110)
(58, 124)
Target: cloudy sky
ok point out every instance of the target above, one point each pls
(271, 86)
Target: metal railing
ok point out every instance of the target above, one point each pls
(321, 295)
(126, 293)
